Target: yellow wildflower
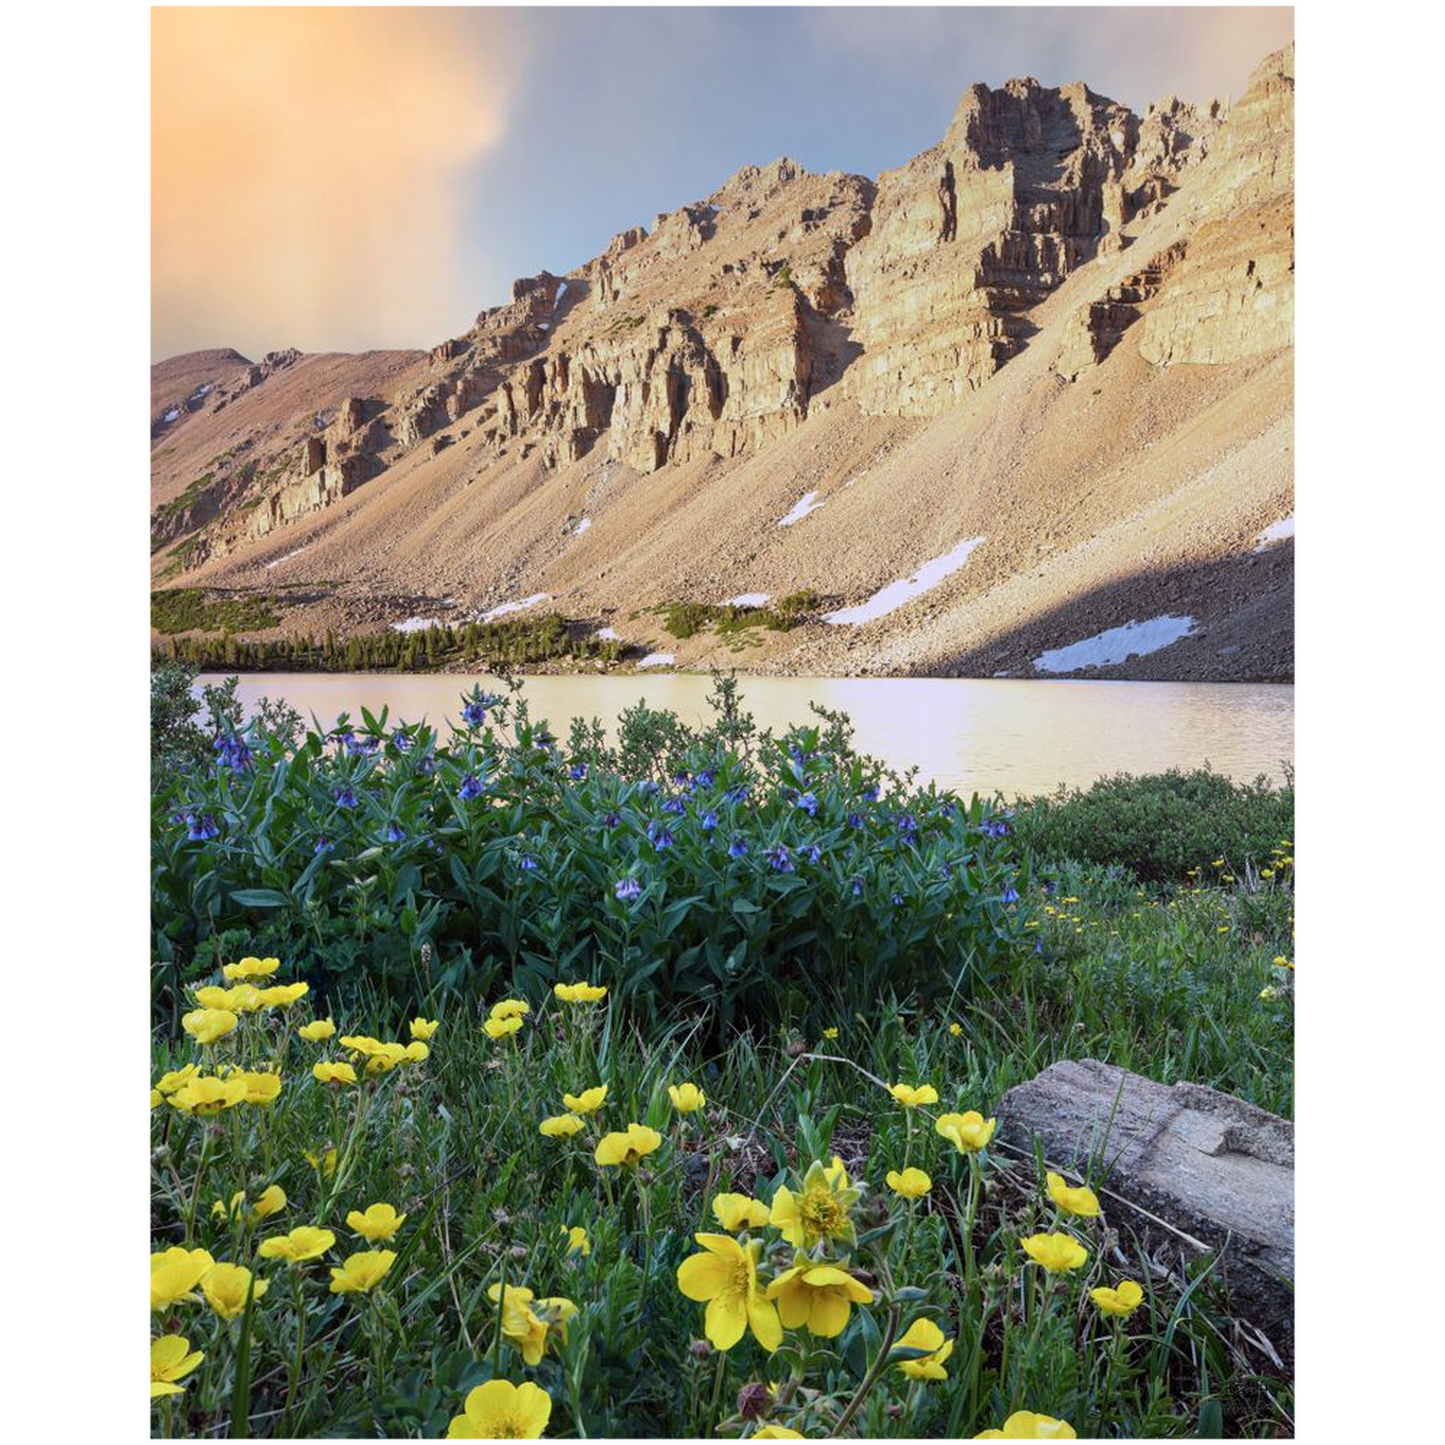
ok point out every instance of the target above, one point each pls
(510, 1008)
(333, 1073)
(206, 1025)
(819, 1296)
(360, 1273)
(911, 1183)
(1122, 1300)
(177, 1079)
(588, 1101)
(820, 1211)
(318, 1031)
(561, 1126)
(272, 1201)
(1025, 1425)
(171, 1358)
(736, 1212)
(500, 1410)
(725, 1276)
(423, 1029)
(955, 1029)
(1058, 1253)
(175, 1273)
(283, 995)
(324, 1164)
(304, 1242)
(627, 1147)
(777, 1432)
(686, 1098)
(205, 1095)
(261, 1088)
(830, 1034)
(527, 1320)
(379, 1222)
(1080, 1201)
(923, 1334)
(225, 1287)
(577, 1241)
(580, 992)
(968, 1131)
(499, 1028)
(251, 968)
(911, 1096)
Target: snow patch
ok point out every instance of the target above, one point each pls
(658, 659)
(1276, 532)
(608, 634)
(173, 413)
(415, 624)
(544, 326)
(286, 558)
(557, 299)
(748, 599)
(895, 594)
(1117, 644)
(504, 608)
(806, 503)
(581, 526)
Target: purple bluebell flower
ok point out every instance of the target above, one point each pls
(737, 848)
(675, 806)
(471, 788)
(659, 837)
(394, 834)
(738, 793)
(871, 792)
(577, 772)
(201, 827)
(857, 887)
(855, 820)
(323, 845)
(401, 740)
(812, 853)
(706, 778)
(898, 900)
(345, 796)
(232, 752)
(544, 739)
(527, 863)
(809, 804)
(427, 762)
(611, 818)
(1010, 894)
(709, 821)
(627, 888)
(945, 870)
(344, 738)
(778, 859)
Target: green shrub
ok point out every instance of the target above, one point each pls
(1163, 825)
(759, 877)
(189, 609)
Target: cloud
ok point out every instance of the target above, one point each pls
(307, 167)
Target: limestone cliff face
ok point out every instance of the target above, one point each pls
(1233, 296)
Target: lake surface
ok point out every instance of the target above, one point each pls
(1016, 738)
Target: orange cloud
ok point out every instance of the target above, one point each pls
(306, 168)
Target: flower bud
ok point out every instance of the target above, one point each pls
(797, 1049)
(699, 1349)
(754, 1400)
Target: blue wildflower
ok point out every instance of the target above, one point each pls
(778, 858)
(813, 853)
(737, 848)
(611, 818)
(474, 714)
(871, 792)
(737, 793)
(857, 887)
(809, 804)
(471, 788)
(527, 863)
(201, 827)
(855, 820)
(898, 900)
(323, 844)
(232, 752)
(675, 806)
(401, 740)
(627, 888)
(577, 772)
(427, 762)
(706, 778)
(945, 870)
(394, 834)
(709, 821)
(345, 797)
(1010, 895)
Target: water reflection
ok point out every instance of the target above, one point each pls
(1014, 737)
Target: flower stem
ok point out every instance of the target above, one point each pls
(880, 1361)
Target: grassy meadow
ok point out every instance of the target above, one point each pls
(507, 1086)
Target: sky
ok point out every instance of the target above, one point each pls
(350, 178)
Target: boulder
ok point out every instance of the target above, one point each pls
(1191, 1160)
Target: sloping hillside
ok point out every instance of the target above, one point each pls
(1021, 407)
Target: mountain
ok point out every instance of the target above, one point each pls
(1033, 387)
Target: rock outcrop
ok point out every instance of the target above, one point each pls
(1217, 1170)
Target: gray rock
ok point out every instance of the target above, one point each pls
(1190, 1160)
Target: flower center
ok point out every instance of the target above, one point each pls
(822, 1214)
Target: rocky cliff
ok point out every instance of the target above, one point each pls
(772, 345)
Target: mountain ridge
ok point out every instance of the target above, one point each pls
(1065, 329)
